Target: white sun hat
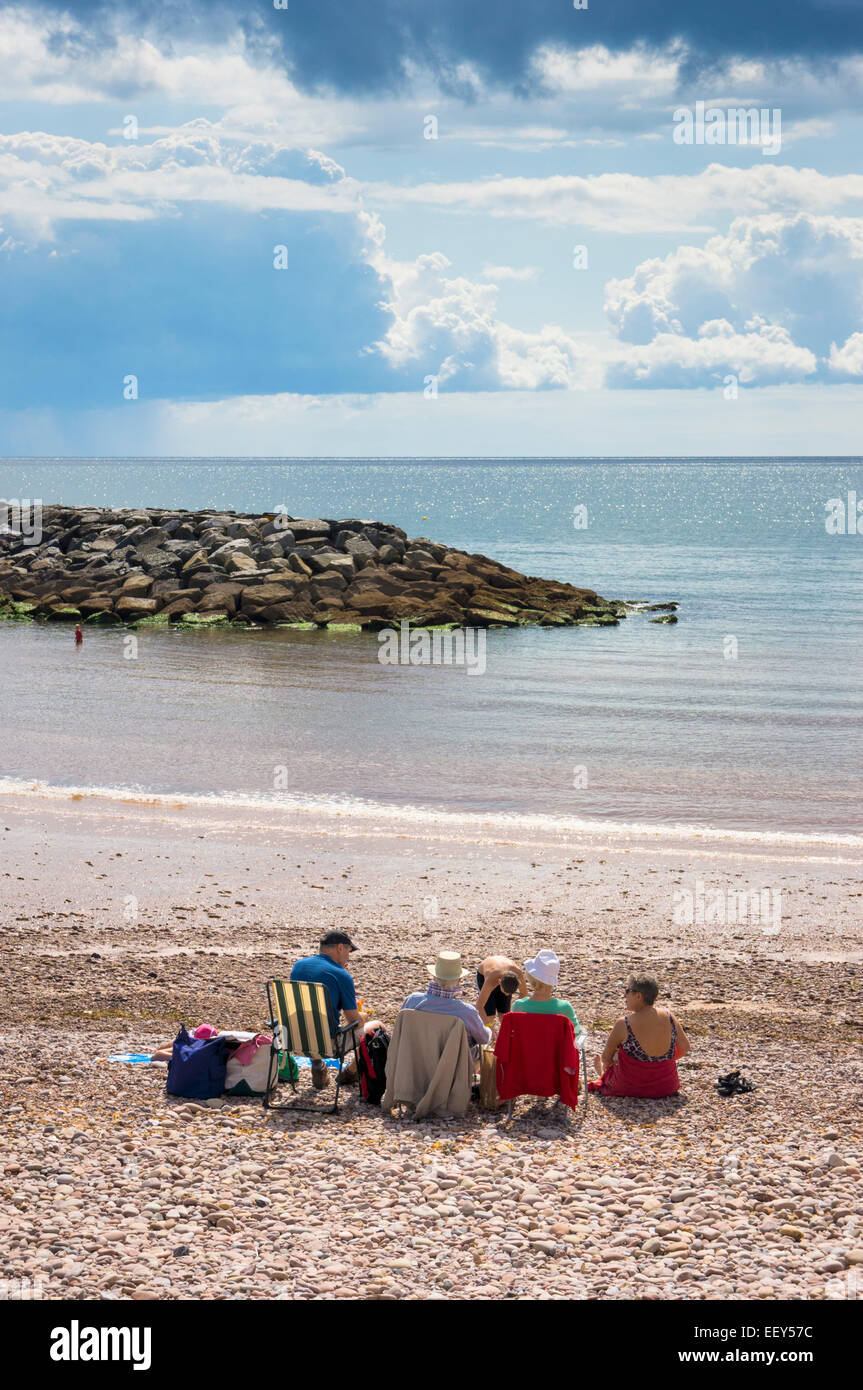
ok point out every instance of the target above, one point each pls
(544, 967)
(448, 969)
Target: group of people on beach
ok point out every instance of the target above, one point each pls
(640, 1054)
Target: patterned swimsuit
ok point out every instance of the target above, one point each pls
(632, 1047)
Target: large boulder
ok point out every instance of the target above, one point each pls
(384, 605)
(310, 530)
(129, 607)
(168, 589)
(244, 530)
(200, 560)
(201, 579)
(151, 538)
(378, 581)
(97, 603)
(240, 563)
(330, 582)
(332, 561)
(236, 547)
(286, 613)
(362, 550)
(76, 594)
(137, 585)
(62, 613)
(178, 608)
(279, 530)
(262, 596)
(220, 596)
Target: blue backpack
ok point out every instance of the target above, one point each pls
(197, 1067)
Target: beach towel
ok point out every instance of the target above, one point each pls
(629, 1077)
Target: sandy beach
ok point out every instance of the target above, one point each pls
(121, 919)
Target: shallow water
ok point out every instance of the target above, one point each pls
(640, 723)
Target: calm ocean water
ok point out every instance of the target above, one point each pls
(641, 723)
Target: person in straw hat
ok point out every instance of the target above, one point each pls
(441, 997)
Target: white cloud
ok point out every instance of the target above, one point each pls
(817, 420)
(635, 203)
(847, 361)
(763, 354)
(765, 301)
(43, 58)
(448, 326)
(627, 75)
(47, 178)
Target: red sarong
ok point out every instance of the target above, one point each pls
(629, 1077)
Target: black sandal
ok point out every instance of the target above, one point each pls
(734, 1084)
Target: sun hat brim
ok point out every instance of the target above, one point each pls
(444, 979)
(539, 970)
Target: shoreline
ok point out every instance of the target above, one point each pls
(310, 815)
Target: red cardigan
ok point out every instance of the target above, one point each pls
(536, 1056)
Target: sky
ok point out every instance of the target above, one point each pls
(421, 227)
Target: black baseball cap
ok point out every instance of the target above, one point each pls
(337, 938)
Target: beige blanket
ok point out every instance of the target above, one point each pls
(428, 1064)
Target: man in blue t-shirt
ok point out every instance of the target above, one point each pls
(329, 968)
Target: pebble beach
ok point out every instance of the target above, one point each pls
(119, 923)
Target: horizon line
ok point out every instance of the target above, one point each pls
(44, 459)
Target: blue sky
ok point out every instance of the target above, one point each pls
(553, 272)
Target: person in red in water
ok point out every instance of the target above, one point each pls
(79, 636)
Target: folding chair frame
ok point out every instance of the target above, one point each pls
(281, 1044)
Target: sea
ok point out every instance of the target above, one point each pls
(742, 720)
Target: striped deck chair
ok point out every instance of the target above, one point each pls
(300, 1022)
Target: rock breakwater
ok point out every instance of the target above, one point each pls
(155, 566)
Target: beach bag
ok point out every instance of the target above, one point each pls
(197, 1067)
(488, 1097)
(372, 1064)
(252, 1076)
(288, 1068)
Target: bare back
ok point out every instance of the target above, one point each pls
(652, 1029)
(498, 963)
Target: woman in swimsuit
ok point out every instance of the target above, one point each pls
(643, 1046)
